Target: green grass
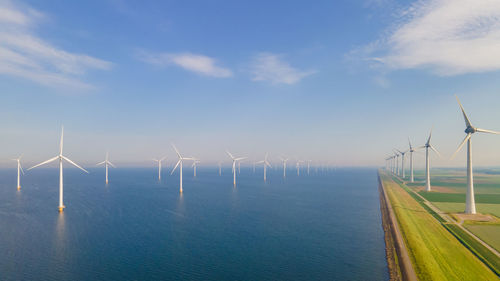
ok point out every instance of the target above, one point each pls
(460, 197)
(477, 248)
(448, 207)
(488, 233)
(436, 254)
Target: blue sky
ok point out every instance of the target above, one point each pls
(337, 81)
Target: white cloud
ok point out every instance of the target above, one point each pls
(200, 64)
(24, 54)
(271, 67)
(448, 37)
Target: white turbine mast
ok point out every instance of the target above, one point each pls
(106, 162)
(195, 163)
(266, 164)
(470, 204)
(179, 162)
(60, 157)
(297, 165)
(428, 145)
(159, 165)
(19, 171)
(284, 160)
(402, 153)
(235, 160)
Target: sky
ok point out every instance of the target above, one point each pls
(338, 82)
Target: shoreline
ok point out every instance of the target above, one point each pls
(398, 260)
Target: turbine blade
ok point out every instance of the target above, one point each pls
(487, 131)
(176, 165)
(22, 171)
(467, 121)
(45, 162)
(241, 158)
(461, 145)
(61, 143)
(260, 162)
(176, 151)
(74, 164)
(269, 165)
(100, 163)
(409, 142)
(429, 139)
(163, 158)
(435, 150)
(230, 155)
(111, 164)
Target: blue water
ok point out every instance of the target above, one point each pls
(325, 226)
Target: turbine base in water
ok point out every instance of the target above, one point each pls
(61, 208)
(19, 187)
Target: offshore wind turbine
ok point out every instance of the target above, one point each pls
(159, 166)
(60, 157)
(428, 145)
(19, 171)
(297, 165)
(235, 160)
(470, 203)
(179, 162)
(106, 163)
(308, 165)
(266, 164)
(284, 160)
(195, 161)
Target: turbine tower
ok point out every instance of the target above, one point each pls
(235, 160)
(284, 160)
(60, 157)
(195, 161)
(428, 145)
(308, 165)
(220, 169)
(297, 165)
(396, 154)
(106, 163)
(402, 161)
(266, 164)
(19, 171)
(179, 162)
(470, 204)
(159, 166)
(411, 150)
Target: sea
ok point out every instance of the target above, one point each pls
(325, 225)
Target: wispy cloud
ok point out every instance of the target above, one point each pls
(24, 54)
(272, 68)
(448, 37)
(199, 64)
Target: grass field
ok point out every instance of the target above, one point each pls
(449, 207)
(460, 197)
(435, 252)
(487, 233)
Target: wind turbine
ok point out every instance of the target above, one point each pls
(159, 166)
(179, 162)
(235, 160)
(470, 204)
(266, 164)
(402, 161)
(297, 165)
(106, 163)
(396, 154)
(411, 150)
(60, 157)
(428, 145)
(308, 165)
(19, 171)
(284, 160)
(195, 161)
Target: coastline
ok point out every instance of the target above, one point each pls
(398, 260)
